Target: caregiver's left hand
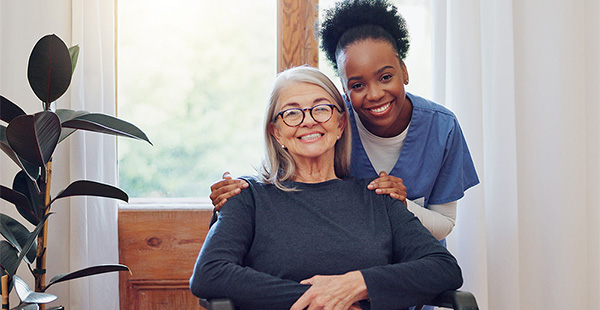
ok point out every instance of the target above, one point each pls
(387, 184)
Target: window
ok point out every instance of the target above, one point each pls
(195, 76)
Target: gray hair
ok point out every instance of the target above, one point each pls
(278, 165)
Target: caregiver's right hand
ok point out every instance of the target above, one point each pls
(225, 188)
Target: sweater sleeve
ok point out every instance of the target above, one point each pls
(219, 271)
(421, 269)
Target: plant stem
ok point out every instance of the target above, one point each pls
(5, 304)
(40, 275)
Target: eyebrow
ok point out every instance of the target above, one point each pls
(376, 72)
(295, 104)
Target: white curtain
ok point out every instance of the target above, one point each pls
(523, 78)
(83, 231)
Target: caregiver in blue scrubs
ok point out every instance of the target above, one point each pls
(415, 145)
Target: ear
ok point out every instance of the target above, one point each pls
(404, 71)
(274, 131)
(342, 123)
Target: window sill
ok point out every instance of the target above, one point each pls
(167, 204)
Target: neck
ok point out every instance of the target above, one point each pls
(314, 171)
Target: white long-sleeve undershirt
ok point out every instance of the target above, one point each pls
(438, 219)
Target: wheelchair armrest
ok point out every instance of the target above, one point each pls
(217, 304)
(457, 300)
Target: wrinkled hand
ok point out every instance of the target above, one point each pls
(339, 292)
(387, 184)
(225, 188)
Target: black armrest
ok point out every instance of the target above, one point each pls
(457, 300)
(217, 304)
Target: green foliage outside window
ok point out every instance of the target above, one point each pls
(196, 76)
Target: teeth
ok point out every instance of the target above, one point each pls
(381, 109)
(311, 136)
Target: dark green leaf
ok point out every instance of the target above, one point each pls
(91, 188)
(16, 234)
(8, 258)
(57, 308)
(32, 171)
(29, 189)
(74, 53)
(30, 241)
(9, 110)
(106, 124)
(21, 202)
(50, 69)
(86, 272)
(27, 295)
(34, 137)
(65, 115)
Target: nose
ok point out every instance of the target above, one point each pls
(308, 120)
(375, 92)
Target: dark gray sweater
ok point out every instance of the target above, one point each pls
(266, 241)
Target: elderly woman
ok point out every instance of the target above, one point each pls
(308, 235)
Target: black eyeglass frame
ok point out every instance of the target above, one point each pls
(310, 110)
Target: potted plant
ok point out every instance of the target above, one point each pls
(30, 140)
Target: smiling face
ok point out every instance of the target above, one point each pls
(373, 78)
(310, 141)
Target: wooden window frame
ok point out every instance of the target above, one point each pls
(296, 43)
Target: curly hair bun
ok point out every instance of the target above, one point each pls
(350, 14)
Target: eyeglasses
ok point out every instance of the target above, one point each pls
(321, 113)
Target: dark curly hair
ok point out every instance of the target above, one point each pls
(350, 21)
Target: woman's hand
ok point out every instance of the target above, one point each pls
(387, 184)
(225, 188)
(333, 292)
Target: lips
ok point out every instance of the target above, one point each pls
(380, 109)
(311, 136)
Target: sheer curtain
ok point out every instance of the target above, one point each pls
(83, 231)
(523, 78)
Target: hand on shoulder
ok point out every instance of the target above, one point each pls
(225, 188)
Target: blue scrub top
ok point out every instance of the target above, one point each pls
(435, 163)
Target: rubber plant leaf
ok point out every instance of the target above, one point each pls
(8, 258)
(66, 115)
(86, 272)
(27, 295)
(92, 188)
(21, 202)
(31, 190)
(9, 110)
(34, 137)
(27, 307)
(74, 54)
(57, 308)
(16, 234)
(32, 171)
(107, 124)
(49, 70)
(29, 243)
